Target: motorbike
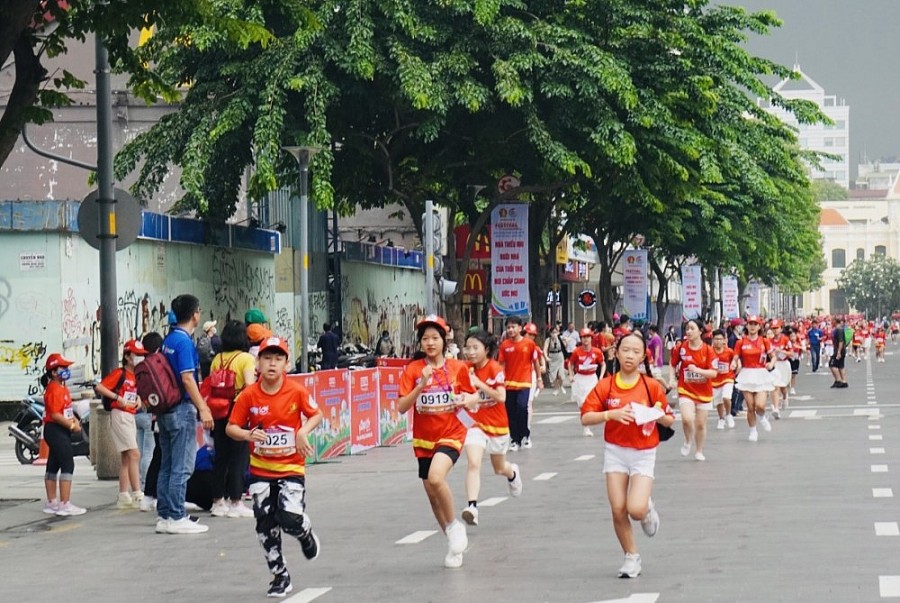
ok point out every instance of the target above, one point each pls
(356, 356)
(28, 426)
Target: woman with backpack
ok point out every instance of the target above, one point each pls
(118, 390)
(231, 371)
(556, 370)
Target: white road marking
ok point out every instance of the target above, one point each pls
(308, 594)
(876, 450)
(585, 457)
(801, 398)
(879, 468)
(889, 586)
(555, 420)
(543, 477)
(883, 492)
(802, 414)
(872, 402)
(416, 537)
(861, 412)
(874, 427)
(875, 417)
(887, 528)
(634, 598)
(492, 502)
(876, 437)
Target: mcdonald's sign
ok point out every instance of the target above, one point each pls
(482, 248)
(473, 282)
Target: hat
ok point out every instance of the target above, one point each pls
(256, 333)
(433, 320)
(776, 324)
(134, 346)
(586, 332)
(736, 322)
(274, 342)
(55, 360)
(209, 324)
(254, 316)
(531, 328)
(754, 319)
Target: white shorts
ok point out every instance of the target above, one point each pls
(618, 459)
(828, 349)
(723, 393)
(493, 444)
(682, 400)
(582, 386)
(754, 380)
(781, 376)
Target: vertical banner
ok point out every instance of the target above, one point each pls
(634, 277)
(392, 425)
(509, 260)
(691, 292)
(363, 409)
(752, 303)
(332, 393)
(308, 380)
(731, 307)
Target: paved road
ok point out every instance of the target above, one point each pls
(805, 514)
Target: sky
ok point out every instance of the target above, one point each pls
(852, 49)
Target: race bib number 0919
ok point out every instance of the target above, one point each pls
(434, 402)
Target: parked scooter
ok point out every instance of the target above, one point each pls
(28, 426)
(355, 356)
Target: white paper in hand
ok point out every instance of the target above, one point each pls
(644, 414)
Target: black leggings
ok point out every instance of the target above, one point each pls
(230, 464)
(153, 469)
(60, 460)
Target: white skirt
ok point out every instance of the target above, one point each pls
(781, 376)
(755, 380)
(582, 386)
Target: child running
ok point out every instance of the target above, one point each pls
(435, 386)
(753, 365)
(630, 455)
(692, 360)
(584, 364)
(268, 414)
(60, 423)
(491, 428)
(723, 382)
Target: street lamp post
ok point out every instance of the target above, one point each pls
(303, 154)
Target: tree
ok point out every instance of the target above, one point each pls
(872, 286)
(826, 190)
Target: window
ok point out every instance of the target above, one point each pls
(840, 175)
(840, 141)
(838, 301)
(880, 250)
(828, 102)
(838, 258)
(828, 142)
(860, 254)
(840, 124)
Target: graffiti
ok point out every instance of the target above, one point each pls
(5, 294)
(26, 356)
(238, 284)
(72, 325)
(367, 321)
(33, 305)
(128, 314)
(284, 323)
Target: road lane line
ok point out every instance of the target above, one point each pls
(492, 502)
(876, 450)
(308, 594)
(802, 414)
(889, 586)
(585, 457)
(876, 437)
(879, 468)
(555, 420)
(416, 537)
(874, 427)
(883, 492)
(887, 528)
(543, 477)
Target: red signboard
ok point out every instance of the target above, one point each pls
(332, 396)
(474, 282)
(392, 425)
(482, 248)
(364, 432)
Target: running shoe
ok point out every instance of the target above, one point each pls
(650, 522)
(124, 501)
(184, 526)
(729, 420)
(720, 424)
(754, 435)
(219, 509)
(280, 586)
(699, 456)
(526, 442)
(776, 414)
(685, 449)
(51, 507)
(67, 509)
(587, 432)
(793, 391)
(564, 389)
(239, 509)
(470, 515)
(148, 503)
(310, 546)
(456, 537)
(515, 486)
(764, 422)
(453, 560)
(513, 447)
(162, 525)
(632, 566)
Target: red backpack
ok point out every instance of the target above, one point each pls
(157, 385)
(221, 389)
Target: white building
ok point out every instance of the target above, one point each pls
(833, 139)
(876, 176)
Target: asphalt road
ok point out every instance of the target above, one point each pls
(806, 514)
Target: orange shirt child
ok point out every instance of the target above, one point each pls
(784, 350)
(610, 394)
(491, 415)
(517, 358)
(586, 362)
(723, 366)
(57, 399)
(128, 391)
(691, 385)
(753, 354)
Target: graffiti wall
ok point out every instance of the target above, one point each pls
(50, 296)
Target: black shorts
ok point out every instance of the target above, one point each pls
(795, 366)
(425, 462)
(836, 362)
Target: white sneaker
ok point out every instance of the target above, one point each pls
(137, 498)
(162, 525)
(650, 522)
(51, 507)
(185, 526)
(125, 501)
(148, 503)
(776, 414)
(239, 510)
(456, 537)
(587, 432)
(793, 391)
(67, 509)
(685, 449)
(513, 447)
(729, 420)
(453, 560)
(754, 435)
(556, 392)
(632, 566)
(764, 422)
(515, 485)
(189, 506)
(720, 424)
(699, 456)
(470, 515)
(526, 442)
(563, 390)
(219, 509)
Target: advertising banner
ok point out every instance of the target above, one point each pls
(509, 260)
(332, 393)
(392, 425)
(691, 291)
(731, 307)
(752, 304)
(308, 380)
(634, 276)
(364, 432)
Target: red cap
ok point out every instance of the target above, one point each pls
(735, 322)
(135, 347)
(754, 318)
(776, 324)
(433, 320)
(531, 328)
(55, 360)
(586, 332)
(274, 342)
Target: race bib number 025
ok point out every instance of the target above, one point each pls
(278, 443)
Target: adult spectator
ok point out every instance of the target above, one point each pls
(147, 438)
(836, 364)
(384, 347)
(255, 316)
(814, 337)
(671, 340)
(570, 339)
(655, 347)
(178, 427)
(329, 343)
(205, 348)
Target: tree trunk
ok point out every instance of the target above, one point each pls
(29, 75)
(662, 294)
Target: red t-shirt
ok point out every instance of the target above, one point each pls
(753, 354)
(435, 423)
(611, 394)
(127, 391)
(491, 414)
(879, 339)
(784, 350)
(57, 399)
(517, 359)
(691, 385)
(280, 415)
(586, 362)
(723, 367)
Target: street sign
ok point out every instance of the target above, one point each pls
(587, 299)
(127, 223)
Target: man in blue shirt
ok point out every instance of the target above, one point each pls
(814, 336)
(178, 427)
(329, 343)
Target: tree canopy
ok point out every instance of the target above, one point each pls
(872, 286)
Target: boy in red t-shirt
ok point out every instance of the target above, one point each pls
(269, 414)
(519, 358)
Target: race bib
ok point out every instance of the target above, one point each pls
(430, 403)
(722, 367)
(781, 355)
(131, 397)
(68, 412)
(279, 442)
(485, 401)
(692, 377)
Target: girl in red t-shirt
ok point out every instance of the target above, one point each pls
(437, 386)
(630, 454)
(60, 423)
(490, 430)
(753, 364)
(694, 363)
